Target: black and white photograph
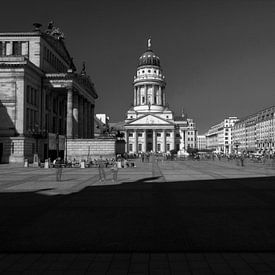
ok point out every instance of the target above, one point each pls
(137, 137)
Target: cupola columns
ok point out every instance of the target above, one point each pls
(149, 83)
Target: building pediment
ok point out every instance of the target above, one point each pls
(149, 119)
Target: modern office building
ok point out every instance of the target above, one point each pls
(150, 125)
(43, 100)
(255, 132)
(219, 136)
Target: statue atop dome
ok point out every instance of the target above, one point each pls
(149, 43)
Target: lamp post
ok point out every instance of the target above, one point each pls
(237, 144)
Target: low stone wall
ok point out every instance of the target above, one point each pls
(90, 148)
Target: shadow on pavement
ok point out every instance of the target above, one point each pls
(213, 215)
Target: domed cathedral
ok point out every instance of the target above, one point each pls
(150, 126)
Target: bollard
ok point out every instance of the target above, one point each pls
(26, 163)
(46, 165)
(82, 164)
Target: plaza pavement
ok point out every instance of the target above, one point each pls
(187, 217)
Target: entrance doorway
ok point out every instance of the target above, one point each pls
(149, 146)
(1, 151)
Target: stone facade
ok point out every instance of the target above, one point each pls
(256, 132)
(89, 149)
(40, 95)
(219, 136)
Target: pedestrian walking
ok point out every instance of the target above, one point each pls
(58, 166)
(114, 170)
(101, 171)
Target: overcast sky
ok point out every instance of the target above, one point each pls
(218, 56)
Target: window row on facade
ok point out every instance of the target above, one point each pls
(15, 48)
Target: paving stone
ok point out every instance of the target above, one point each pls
(260, 267)
(176, 257)
(251, 258)
(140, 257)
(195, 257)
(198, 265)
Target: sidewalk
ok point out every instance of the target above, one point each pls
(170, 218)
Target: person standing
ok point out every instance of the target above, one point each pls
(58, 166)
(101, 171)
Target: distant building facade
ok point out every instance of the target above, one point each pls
(219, 136)
(201, 142)
(256, 132)
(150, 125)
(101, 123)
(43, 100)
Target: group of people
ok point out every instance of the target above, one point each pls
(101, 164)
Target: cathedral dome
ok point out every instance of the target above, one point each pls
(149, 57)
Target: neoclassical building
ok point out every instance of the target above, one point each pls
(43, 100)
(150, 126)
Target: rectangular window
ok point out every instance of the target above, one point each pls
(54, 125)
(28, 119)
(158, 147)
(158, 134)
(47, 102)
(168, 134)
(60, 126)
(1, 48)
(143, 99)
(47, 122)
(131, 147)
(139, 147)
(168, 146)
(130, 134)
(16, 48)
(139, 134)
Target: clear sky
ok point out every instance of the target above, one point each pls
(218, 56)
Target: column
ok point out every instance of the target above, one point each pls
(153, 94)
(75, 114)
(135, 96)
(163, 98)
(154, 140)
(69, 112)
(88, 119)
(135, 147)
(92, 123)
(126, 141)
(164, 141)
(146, 94)
(145, 141)
(173, 139)
(84, 119)
(159, 97)
(80, 116)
